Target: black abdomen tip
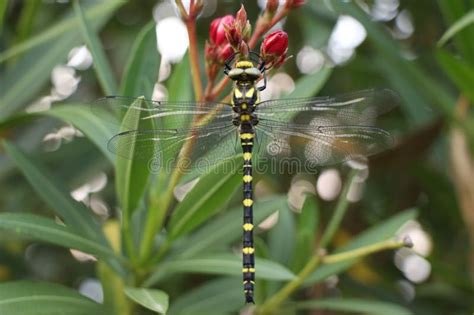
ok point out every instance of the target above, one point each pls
(249, 298)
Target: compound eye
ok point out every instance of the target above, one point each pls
(235, 73)
(252, 72)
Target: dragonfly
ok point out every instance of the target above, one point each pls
(304, 132)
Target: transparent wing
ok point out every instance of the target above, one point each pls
(166, 149)
(159, 134)
(164, 114)
(306, 147)
(357, 109)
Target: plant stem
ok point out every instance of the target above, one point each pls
(208, 91)
(262, 28)
(194, 58)
(158, 209)
(290, 287)
(338, 214)
(316, 260)
(128, 239)
(366, 250)
(219, 88)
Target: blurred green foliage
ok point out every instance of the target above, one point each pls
(190, 262)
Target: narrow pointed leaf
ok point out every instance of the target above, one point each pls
(221, 265)
(76, 216)
(460, 72)
(220, 296)
(227, 228)
(33, 298)
(281, 238)
(354, 306)
(23, 81)
(154, 300)
(306, 232)
(64, 26)
(96, 129)
(101, 64)
(459, 25)
(132, 176)
(141, 70)
(32, 227)
(206, 198)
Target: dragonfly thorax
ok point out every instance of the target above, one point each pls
(244, 96)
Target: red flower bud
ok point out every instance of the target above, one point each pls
(233, 35)
(275, 43)
(241, 17)
(225, 52)
(210, 52)
(274, 47)
(217, 31)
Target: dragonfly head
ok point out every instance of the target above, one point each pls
(244, 71)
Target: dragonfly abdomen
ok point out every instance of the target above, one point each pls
(246, 138)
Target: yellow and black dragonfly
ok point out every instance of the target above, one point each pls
(301, 134)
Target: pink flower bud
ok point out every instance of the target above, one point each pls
(217, 31)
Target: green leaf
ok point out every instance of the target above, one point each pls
(453, 12)
(3, 10)
(459, 71)
(131, 175)
(76, 216)
(27, 77)
(141, 70)
(96, 129)
(375, 234)
(179, 89)
(32, 298)
(354, 306)
(224, 264)
(26, 21)
(101, 64)
(64, 26)
(179, 83)
(226, 229)
(154, 300)
(32, 227)
(459, 25)
(209, 195)
(221, 296)
(113, 287)
(281, 238)
(310, 85)
(306, 231)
